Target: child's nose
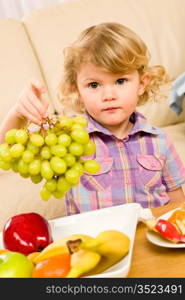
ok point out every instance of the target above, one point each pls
(108, 94)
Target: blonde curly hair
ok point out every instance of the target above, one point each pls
(114, 48)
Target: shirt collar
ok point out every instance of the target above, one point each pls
(140, 125)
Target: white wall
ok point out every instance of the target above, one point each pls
(18, 8)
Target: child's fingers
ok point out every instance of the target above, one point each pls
(45, 103)
(37, 86)
(38, 89)
(32, 110)
(28, 115)
(36, 103)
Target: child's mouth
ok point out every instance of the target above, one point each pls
(111, 109)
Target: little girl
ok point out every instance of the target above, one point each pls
(106, 76)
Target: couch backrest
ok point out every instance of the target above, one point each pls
(18, 63)
(160, 23)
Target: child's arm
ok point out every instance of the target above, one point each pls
(177, 198)
(10, 121)
(30, 106)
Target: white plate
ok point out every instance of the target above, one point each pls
(122, 217)
(158, 240)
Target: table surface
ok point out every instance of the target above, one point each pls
(151, 261)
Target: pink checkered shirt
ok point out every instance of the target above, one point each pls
(141, 168)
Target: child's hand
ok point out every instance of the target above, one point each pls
(31, 105)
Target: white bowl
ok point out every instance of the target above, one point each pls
(122, 217)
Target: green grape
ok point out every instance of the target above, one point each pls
(34, 167)
(64, 140)
(10, 136)
(32, 148)
(91, 166)
(5, 165)
(65, 122)
(21, 136)
(27, 175)
(80, 136)
(14, 166)
(51, 139)
(69, 159)
(45, 194)
(63, 185)
(6, 154)
(36, 178)
(46, 170)
(58, 165)
(76, 126)
(17, 150)
(78, 167)
(80, 120)
(58, 195)
(76, 149)
(3, 147)
(89, 148)
(51, 184)
(58, 150)
(45, 152)
(37, 140)
(22, 166)
(72, 176)
(27, 156)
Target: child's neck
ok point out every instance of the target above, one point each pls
(121, 131)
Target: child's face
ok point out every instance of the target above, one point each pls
(109, 98)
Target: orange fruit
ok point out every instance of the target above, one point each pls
(177, 215)
(3, 250)
(56, 266)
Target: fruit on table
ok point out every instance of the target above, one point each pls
(178, 219)
(27, 233)
(112, 245)
(166, 229)
(56, 266)
(32, 255)
(89, 255)
(3, 250)
(50, 152)
(14, 265)
(60, 246)
(83, 261)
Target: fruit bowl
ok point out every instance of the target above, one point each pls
(122, 217)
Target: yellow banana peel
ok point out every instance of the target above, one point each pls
(112, 245)
(59, 246)
(83, 261)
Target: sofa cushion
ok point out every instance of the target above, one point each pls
(17, 61)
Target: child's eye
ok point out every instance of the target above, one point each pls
(93, 85)
(121, 81)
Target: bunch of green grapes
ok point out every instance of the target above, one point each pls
(54, 153)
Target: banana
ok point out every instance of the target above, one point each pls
(112, 245)
(83, 261)
(59, 246)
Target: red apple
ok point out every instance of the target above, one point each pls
(27, 233)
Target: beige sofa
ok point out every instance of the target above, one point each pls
(32, 48)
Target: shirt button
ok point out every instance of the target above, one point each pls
(120, 144)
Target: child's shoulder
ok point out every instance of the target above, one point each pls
(142, 124)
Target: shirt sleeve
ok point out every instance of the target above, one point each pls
(173, 171)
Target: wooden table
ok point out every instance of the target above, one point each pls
(151, 261)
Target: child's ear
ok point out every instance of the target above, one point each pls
(144, 81)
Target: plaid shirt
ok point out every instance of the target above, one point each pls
(141, 168)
